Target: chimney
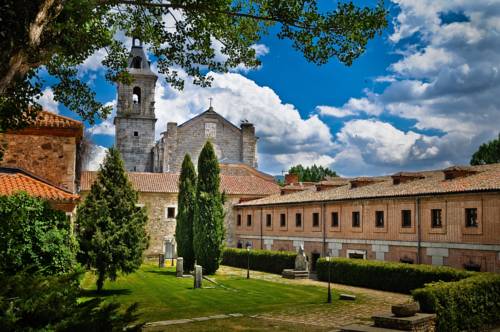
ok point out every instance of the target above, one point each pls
(291, 178)
(455, 172)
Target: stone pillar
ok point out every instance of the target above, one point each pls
(198, 276)
(248, 144)
(180, 267)
(170, 148)
(161, 260)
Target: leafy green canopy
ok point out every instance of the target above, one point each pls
(186, 211)
(488, 153)
(311, 174)
(56, 36)
(209, 213)
(111, 229)
(34, 237)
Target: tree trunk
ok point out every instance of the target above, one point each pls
(100, 281)
(19, 63)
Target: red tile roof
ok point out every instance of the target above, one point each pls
(47, 119)
(480, 178)
(16, 180)
(168, 183)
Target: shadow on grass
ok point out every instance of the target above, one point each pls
(164, 273)
(104, 292)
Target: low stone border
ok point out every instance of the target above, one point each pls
(189, 320)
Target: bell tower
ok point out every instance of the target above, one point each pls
(135, 113)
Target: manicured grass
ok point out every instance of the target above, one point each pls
(162, 296)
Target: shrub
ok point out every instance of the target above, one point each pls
(260, 260)
(388, 276)
(470, 304)
(34, 237)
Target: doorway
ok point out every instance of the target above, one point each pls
(314, 259)
(169, 250)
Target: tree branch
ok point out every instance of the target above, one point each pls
(207, 9)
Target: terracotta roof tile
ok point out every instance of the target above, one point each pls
(14, 180)
(47, 119)
(168, 183)
(481, 178)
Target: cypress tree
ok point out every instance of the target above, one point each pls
(111, 229)
(186, 210)
(209, 212)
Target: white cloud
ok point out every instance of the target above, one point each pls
(98, 153)
(47, 101)
(106, 127)
(447, 82)
(352, 107)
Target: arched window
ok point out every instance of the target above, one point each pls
(137, 62)
(136, 97)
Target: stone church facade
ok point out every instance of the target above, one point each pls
(135, 128)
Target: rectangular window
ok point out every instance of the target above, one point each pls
(269, 220)
(238, 220)
(298, 220)
(405, 218)
(436, 221)
(282, 220)
(471, 217)
(315, 219)
(379, 219)
(335, 219)
(136, 133)
(170, 212)
(249, 220)
(356, 222)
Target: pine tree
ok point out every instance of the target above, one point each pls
(111, 229)
(209, 212)
(185, 217)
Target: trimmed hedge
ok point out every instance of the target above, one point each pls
(471, 304)
(260, 260)
(388, 276)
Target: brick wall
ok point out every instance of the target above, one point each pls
(50, 157)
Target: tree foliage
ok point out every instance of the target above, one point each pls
(311, 174)
(56, 36)
(186, 203)
(31, 302)
(111, 229)
(488, 153)
(209, 213)
(34, 237)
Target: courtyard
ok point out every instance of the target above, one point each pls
(231, 302)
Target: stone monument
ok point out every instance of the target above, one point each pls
(301, 260)
(301, 270)
(179, 269)
(198, 276)
(161, 260)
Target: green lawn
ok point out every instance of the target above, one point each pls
(162, 296)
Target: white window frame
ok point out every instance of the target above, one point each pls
(166, 211)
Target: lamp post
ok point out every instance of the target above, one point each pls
(329, 298)
(248, 262)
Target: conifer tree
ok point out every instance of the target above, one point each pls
(209, 213)
(186, 209)
(110, 228)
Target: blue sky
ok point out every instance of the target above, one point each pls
(423, 95)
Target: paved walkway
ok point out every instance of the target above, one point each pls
(368, 303)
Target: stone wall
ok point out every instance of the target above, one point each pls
(134, 140)
(50, 157)
(230, 143)
(159, 228)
